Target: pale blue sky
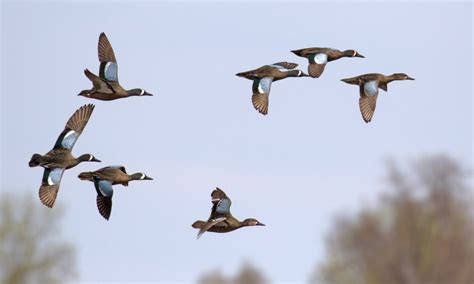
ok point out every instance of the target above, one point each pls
(311, 158)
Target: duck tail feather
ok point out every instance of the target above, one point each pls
(35, 160)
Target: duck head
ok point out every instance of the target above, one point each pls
(88, 158)
(401, 76)
(139, 92)
(252, 222)
(352, 53)
(140, 176)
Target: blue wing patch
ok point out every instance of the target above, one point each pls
(111, 71)
(52, 176)
(69, 139)
(103, 187)
(320, 58)
(371, 88)
(262, 86)
(223, 206)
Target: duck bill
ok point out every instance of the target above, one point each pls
(359, 55)
(147, 94)
(410, 78)
(95, 160)
(260, 224)
(148, 178)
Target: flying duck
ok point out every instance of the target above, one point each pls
(59, 159)
(369, 85)
(221, 220)
(262, 81)
(319, 56)
(103, 180)
(106, 86)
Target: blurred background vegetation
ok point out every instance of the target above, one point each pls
(248, 274)
(32, 248)
(419, 231)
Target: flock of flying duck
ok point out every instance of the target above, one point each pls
(106, 87)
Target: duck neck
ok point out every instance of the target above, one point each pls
(348, 53)
(391, 78)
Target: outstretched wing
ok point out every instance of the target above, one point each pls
(108, 63)
(101, 85)
(368, 99)
(317, 63)
(286, 65)
(50, 186)
(74, 127)
(104, 197)
(261, 93)
(209, 225)
(119, 167)
(221, 202)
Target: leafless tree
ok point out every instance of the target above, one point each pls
(420, 232)
(31, 247)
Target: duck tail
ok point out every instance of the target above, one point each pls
(297, 52)
(35, 160)
(353, 81)
(248, 75)
(86, 176)
(198, 224)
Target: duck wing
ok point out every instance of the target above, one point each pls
(221, 201)
(317, 63)
(101, 85)
(211, 223)
(108, 64)
(285, 65)
(261, 93)
(74, 127)
(50, 186)
(104, 197)
(368, 99)
(116, 167)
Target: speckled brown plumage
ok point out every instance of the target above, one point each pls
(368, 97)
(221, 220)
(315, 69)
